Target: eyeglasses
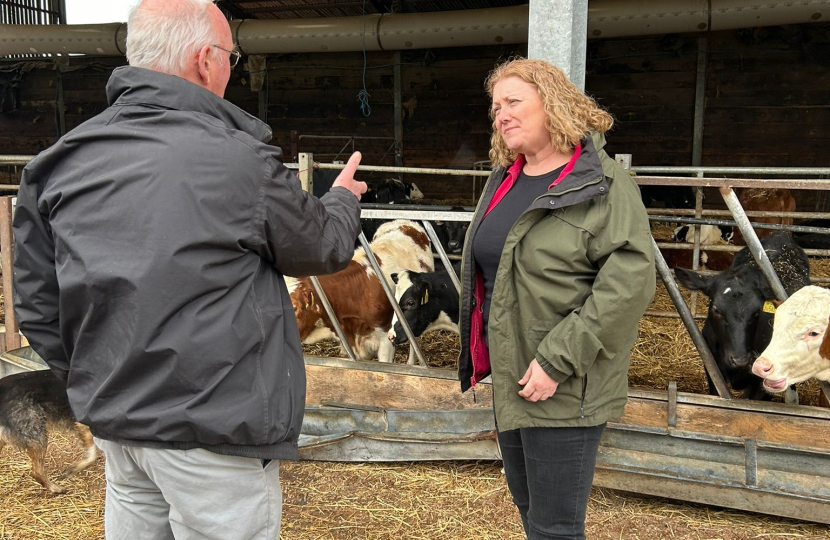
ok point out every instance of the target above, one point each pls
(233, 56)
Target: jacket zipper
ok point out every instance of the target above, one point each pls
(584, 389)
(577, 188)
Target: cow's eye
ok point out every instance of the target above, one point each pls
(410, 304)
(814, 333)
(716, 312)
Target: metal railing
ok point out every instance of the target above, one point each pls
(425, 214)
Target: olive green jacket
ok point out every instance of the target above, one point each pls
(576, 274)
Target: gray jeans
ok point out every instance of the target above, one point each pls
(155, 494)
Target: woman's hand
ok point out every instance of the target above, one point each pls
(538, 386)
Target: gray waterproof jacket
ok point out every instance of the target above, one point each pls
(151, 244)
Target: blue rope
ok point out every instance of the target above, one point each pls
(363, 95)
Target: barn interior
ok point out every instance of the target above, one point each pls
(764, 101)
(753, 92)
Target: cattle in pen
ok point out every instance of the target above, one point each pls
(800, 345)
(766, 200)
(738, 324)
(429, 301)
(356, 294)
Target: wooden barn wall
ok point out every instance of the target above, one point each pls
(767, 101)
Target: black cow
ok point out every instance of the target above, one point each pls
(392, 191)
(737, 328)
(429, 302)
(456, 233)
(668, 196)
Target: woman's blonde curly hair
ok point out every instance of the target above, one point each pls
(570, 113)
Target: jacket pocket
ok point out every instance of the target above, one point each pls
(584, 392)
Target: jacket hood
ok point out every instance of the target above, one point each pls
(130, 85)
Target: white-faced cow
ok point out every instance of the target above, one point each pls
(737, 325)
(356, 294)
(800, 345)
(429, 302)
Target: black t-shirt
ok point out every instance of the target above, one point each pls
(491, 235)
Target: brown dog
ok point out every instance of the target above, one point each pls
(31, 404)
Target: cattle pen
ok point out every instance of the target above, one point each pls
(759, 456)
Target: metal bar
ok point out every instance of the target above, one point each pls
(413, 342)
(668, 314)
(750, 213)
(60, 109)
(410, 170)
(730, 248)
(728, 223)
(805, 171)
(15, 160)
(307, 172)
(696, 253)
(689, 323)
(369, 211)
(753, 243)
(12, 337)
(332, 317)
(398, 108)
(700, 101)
(751, 462)
(441, 253)
(350, 137)
(671, 410)
(825, 388)
(787, 183)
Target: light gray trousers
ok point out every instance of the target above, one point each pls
(156, 494)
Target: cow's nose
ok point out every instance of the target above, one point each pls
(391, 336)
(762, 367)
(453, 244)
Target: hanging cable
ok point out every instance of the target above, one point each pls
(363, 95)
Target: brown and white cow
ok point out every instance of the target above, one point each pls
(356, 294)
(768, 200)
(800, 345)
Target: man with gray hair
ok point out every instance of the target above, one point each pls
(151, 244)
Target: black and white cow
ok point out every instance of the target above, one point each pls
(429, 302)
(738, 325)
(393, 191)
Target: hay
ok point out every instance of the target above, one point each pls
(383, 501)
(28, 511)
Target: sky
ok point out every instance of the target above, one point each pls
(97, 11)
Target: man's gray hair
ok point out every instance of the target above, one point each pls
(166, 40)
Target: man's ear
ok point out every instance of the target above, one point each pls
(206, 66)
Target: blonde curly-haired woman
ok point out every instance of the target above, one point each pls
(557, 271)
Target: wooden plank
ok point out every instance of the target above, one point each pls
(11, 335)
(728, 422)
(413, 388)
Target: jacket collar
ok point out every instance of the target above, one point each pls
(587, 169)
(130, 85)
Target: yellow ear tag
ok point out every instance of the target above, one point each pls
(769, 307)
(425, 299)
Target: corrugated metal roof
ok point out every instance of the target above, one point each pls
(307, 9)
